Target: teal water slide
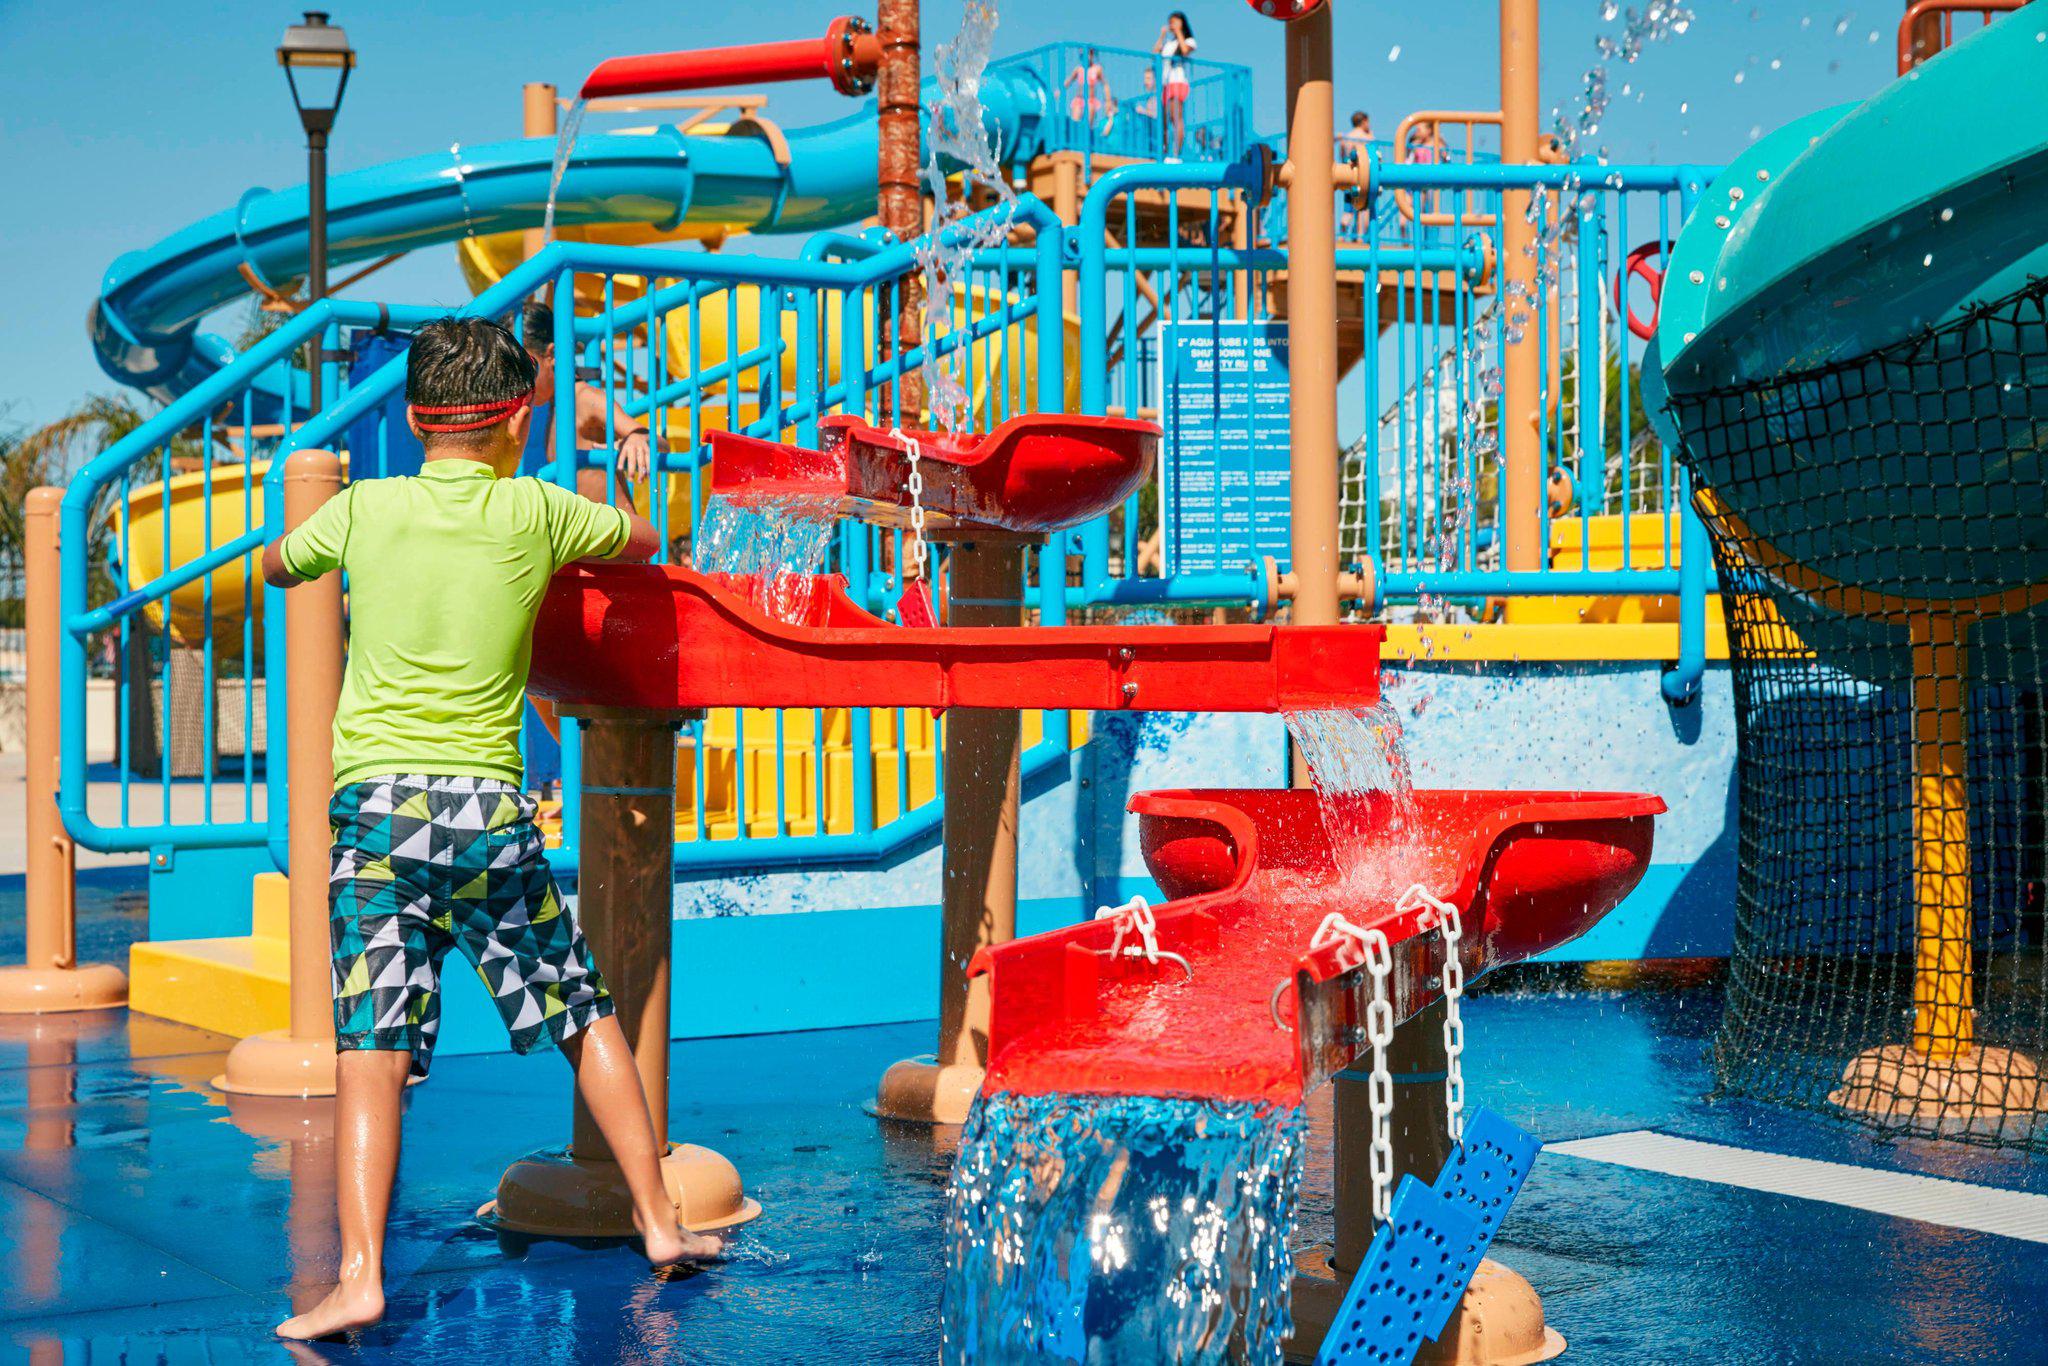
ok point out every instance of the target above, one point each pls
(145, 323)
(1861, 239)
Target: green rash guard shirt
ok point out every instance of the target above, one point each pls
(446, 570)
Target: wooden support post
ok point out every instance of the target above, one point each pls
(626, 876)
(978, 891)
(899, 197)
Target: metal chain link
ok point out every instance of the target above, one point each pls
(1454, 1025)
(918, 552)
(1451, 926)
(1379, 1031)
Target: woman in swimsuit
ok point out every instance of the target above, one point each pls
(1176, 44)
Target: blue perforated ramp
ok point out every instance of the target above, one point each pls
(1423, 1257)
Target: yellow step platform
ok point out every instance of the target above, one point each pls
(238, 985)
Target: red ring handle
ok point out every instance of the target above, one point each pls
(1639, 266)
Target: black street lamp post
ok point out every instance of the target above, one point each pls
(317, 60)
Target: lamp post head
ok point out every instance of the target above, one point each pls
(317, 61)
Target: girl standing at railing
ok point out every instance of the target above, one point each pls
(1092, 98)
(1176, 44)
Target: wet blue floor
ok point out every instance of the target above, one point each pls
(143, 1219)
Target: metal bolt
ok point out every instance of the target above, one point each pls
(1697, 277)
(1130, 692)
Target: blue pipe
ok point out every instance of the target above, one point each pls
(1681, 683)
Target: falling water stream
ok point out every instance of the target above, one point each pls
(957, 135)
(775, 547)
(565, 145)
(1121, 1229)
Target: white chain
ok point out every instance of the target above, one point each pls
(1135, 916)
(912, 452)
(1451, 926)
(1379, 1032)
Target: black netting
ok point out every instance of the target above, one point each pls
(1881, 531)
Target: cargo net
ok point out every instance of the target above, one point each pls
(1881, 531)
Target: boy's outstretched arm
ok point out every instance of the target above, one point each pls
(274, 572)
(642, 541)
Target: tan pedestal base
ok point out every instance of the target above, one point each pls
(276, 1064)
(43, 991)
(1897, 1080)
(554, 1195)
(919, 1091)
(1498, 1323)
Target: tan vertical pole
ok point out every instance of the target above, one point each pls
(1520, 421)
(1066, 206)
(1312, 320)
(300, 1060)
(625, 907)
(52, 978)
(538, 119)
(51, 880)
(899, 199)
(312, 628)
(978, 886)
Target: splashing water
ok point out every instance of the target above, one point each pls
(1358, 762)
(1121, 1228)
(957, 135)
(776, 547)
(565, 147)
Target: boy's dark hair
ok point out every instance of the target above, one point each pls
(465, 362)
(1359, 116)
(536, 326)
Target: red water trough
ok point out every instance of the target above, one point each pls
(1034, 474)
(1257, 1014)
(665, 638)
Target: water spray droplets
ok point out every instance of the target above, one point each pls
(946, 254)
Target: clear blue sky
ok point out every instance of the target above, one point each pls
(124, 121)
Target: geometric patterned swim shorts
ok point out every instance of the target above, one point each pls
(425, 862)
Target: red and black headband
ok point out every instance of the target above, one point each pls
(469, 417)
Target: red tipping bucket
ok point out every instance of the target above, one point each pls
(1035, 474)
(1256, 1014)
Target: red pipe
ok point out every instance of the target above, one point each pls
(1945, 11)
(846, 56)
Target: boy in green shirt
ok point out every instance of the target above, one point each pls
(434, 840)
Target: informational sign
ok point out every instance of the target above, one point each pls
(1224, 466)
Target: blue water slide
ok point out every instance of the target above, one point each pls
(145, 323)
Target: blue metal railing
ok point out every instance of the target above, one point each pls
(1111, 102)
(688, 343)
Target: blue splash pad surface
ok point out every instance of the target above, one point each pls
(165, 1232)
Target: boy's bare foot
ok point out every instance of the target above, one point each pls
(348, 1305)
(667, 1244)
